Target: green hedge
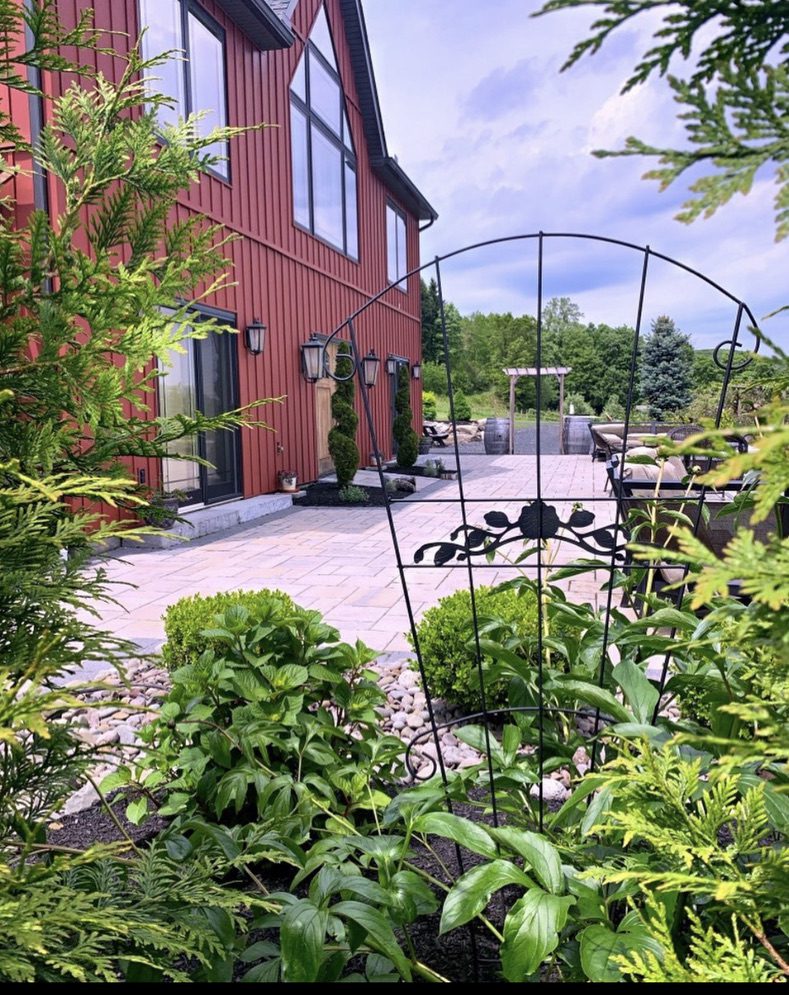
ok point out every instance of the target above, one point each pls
(446, 639)
(186, 619)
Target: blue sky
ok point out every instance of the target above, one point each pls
(499, 141)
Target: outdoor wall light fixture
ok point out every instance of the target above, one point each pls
(370, 366)
(255, 337)
(416, 371)
(391, 366)
(312, 359)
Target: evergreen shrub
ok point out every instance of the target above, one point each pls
(462, 407)
(342, 437)
(406, 438)
(185, 620)
(446, 639)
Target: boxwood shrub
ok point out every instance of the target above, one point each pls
(446, 639)
(187, 618)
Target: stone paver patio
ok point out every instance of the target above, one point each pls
(341, 561)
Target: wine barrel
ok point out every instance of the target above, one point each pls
(576, 437)
(497, 436)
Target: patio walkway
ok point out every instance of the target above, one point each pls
(341, 561)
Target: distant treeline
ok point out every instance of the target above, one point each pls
(481, 345)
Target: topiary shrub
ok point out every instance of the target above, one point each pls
(429, 409)
(342, 437)
(462, 407)
(446, 639)
(185, 620)
(406, 438)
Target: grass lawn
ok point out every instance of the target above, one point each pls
(488, 405)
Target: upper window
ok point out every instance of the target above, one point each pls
(324, 162)
(195, 80)
(396, 258)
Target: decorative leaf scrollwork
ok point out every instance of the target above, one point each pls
(537, 520)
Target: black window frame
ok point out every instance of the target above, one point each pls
(349, 159)
(402, 280)
(192, 7)
(197, 312)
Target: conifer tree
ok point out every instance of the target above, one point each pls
(667, 368)
(342, 437)
(405, 437)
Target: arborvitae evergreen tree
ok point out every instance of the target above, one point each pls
(462, 407)
(432, 345)
(90, 293)
(405, 437)
(342, 437)
(667, 368)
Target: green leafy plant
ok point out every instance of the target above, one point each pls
(406, 438)
(91, 291)
(109, 917)
(342, 437)
(462, 407)
(613, 410)
(578, 405)
(354, 495)
(429, 405)
(274, 727)
(446, 641)
(185, 621)
(730, 103)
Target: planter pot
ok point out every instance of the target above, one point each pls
(425, 444)
(288, 484)
(162, 514)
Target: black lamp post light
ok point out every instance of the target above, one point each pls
(255, 337)
(370, 366)
(314, 366)
(313, 359)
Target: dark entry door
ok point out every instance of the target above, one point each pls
(394, 378)
(204, 378)
(217, 392)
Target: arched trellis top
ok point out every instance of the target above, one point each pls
(516, 372)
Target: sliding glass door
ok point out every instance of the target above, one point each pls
(203, 378)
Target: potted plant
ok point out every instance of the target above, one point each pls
(162, 508)
(287, 480)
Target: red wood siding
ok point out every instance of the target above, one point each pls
(287, 278)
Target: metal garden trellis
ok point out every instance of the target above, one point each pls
(470, 544)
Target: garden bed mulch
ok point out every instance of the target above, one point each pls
(328, 496)
(468, 953)
(94, 825)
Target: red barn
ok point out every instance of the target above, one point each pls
(325, 219)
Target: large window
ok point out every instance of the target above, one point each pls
(324, 163)
(195, 80)
(396, 256)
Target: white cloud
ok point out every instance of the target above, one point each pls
(498, 140)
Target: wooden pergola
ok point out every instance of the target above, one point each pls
(515, 373)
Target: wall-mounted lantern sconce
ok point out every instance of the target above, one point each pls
(391, 366)
(312, 359)
(370, 365)
(416, 371)
(255, 337)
